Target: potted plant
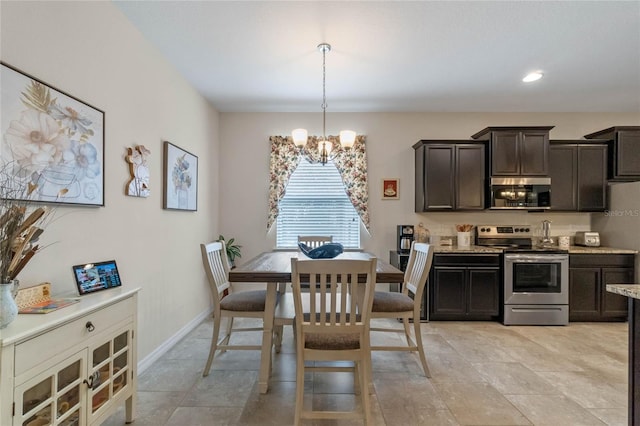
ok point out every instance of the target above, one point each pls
(233, 250)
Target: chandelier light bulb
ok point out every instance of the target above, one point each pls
(533, 76)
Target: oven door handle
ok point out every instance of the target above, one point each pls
(520, 258)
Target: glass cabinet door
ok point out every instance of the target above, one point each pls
(53, 397)
(109, 366)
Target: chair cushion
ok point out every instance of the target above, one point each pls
(331, 341)
(244, 301)
(388, 301)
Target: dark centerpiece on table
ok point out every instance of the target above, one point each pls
(325, 251)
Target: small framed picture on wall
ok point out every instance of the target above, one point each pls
(180, 170)
(390, 189)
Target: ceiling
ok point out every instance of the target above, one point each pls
(401, 56)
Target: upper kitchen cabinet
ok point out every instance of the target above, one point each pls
(624, 154)
(450, 175)
(517, 151)
(578, 172)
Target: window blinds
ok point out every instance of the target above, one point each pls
(315, 203)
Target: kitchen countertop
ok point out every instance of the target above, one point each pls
(629, 290)
(599, 250)
(489, 250)
(468, 250)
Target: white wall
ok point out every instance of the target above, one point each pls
(245, 148)
(91, 51)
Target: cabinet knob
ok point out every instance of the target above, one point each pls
(90, 327)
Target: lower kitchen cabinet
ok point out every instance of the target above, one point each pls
(589, 275)
(74, 366)
(465, 287)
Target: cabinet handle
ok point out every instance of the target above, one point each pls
(90, 327)
(93, 381)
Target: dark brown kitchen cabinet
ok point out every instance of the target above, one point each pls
(464, 287)
(450, 175)
(578, 173)
(517, 151)
(624, 153)
(589, 275)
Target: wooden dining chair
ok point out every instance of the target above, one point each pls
(226, 303)
(334, 327)
(314, 241)
(406, 303)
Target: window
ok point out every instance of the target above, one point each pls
(315, 204)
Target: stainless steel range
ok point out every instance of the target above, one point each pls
(536, 278)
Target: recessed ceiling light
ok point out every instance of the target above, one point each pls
(533, 76)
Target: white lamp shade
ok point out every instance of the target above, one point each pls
(325, 144)
(347, 138)
(299, 137)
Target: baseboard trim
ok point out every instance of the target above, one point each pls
(171, 342)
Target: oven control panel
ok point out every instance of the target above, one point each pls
(504, 231)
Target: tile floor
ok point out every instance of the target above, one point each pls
(483, 373)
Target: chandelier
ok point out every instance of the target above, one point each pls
(300, 136)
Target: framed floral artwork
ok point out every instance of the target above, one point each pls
(180, 183)
(52, 144)
(390, 189)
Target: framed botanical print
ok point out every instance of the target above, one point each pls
(390, 189)
(180, 179)
(52, 144)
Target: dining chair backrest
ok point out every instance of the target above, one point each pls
(314, 241)
(333, 299)
(418, 267)
(214, 257)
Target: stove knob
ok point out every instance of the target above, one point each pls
(526, 230)
(517, 229)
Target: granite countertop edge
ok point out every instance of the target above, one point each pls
(629, 290)
(600, 250)
(468, 250)
(572, 250)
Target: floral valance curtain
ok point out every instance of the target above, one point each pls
(351, 164)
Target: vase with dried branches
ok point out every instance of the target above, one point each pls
(21, 224)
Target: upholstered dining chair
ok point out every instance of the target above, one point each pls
(406, 304)
(334, 327)
(226, 303)
(314, 241)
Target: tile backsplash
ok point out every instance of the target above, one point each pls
(443, 224)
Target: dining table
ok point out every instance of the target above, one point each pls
(274, 269)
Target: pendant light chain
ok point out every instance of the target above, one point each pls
(324, 49)
(347, 137)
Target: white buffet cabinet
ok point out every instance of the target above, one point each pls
(74, 366)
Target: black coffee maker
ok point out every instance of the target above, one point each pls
(405, 238)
